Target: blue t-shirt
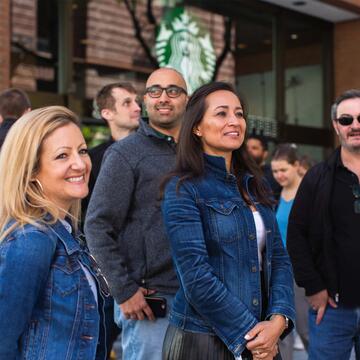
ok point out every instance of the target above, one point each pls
(282, 217)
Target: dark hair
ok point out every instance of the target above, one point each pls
(261, 139)
(189, 158)
(348, 94)
(287, 152)
(104, 98)
(13, 103)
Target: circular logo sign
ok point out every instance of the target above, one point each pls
(182, 45)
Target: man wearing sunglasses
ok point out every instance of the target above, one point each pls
(323, 239)
(124, 226)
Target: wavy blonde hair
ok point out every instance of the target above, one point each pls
(21, 196)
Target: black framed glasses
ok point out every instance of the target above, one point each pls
(346, 120)
(356, 193)
(172, 91)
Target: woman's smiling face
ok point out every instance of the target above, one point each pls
(64, 166)
(222, 129)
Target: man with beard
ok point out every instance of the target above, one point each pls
(323, 238)
(124, 226)
(257, 147)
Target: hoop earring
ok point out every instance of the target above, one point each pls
(38, 183)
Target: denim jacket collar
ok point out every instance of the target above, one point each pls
(216, 165)
(66, 238)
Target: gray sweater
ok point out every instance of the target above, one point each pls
(123, 226)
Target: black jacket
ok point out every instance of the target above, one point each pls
(310, 234)
(4, 129)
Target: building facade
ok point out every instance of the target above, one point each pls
(289, 58)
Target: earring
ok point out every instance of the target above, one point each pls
(38, 183)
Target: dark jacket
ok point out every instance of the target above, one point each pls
(4, 128)
(124, 227)
(310, 234)
(213, 239)
(96, 155)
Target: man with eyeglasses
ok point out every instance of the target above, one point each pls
(323, 239)
(124, 226)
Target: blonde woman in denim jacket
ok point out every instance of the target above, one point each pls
(50, 307)
(236, 285)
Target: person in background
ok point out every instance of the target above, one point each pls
(285, 167)
(323, 238)
(117, 104)
(124, 227)
(236, 285)
(257, 148)
(13, 104)
(305, 163)
(51, 306)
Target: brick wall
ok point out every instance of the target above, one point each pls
(346, 56)
(5, 44)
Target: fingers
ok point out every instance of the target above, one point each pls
(148, 312)
(320, 314)
(253, 332)
(332, 302)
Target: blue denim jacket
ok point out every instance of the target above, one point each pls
(214, 246)
(47, 309)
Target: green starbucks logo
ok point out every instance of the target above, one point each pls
(182, 45)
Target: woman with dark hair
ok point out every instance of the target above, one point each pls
(235, 296)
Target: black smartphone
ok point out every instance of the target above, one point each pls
(157, 305)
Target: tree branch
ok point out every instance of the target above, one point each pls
(138, 34)
(150, 14)
(227, 46)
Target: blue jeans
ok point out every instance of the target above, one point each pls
(336, 335)
(142, 340)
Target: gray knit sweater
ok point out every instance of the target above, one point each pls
(123, 226)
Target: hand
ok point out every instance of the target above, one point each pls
(262, 356)
(318, 302)
(263, 337)
(136, 307)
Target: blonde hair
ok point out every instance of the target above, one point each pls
(21, 196)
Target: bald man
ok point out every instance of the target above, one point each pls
(124, 226)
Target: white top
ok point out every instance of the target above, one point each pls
(88, 274)
(260, 235)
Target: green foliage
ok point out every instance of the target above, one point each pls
(95, 134)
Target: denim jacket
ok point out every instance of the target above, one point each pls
(47, 309)
(213, 241)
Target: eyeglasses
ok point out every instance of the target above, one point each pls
(172, 91)
(104, 286)
(356, 193)
(346, 120)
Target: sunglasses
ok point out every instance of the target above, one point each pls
(104, 286)
(346, 120)
(172, 91)
(356, 193)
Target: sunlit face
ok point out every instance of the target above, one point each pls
(165, 112)
(126, 112)
(64, 166)
(285, 173)
(222, 129)
(349, 135)
(256, 150)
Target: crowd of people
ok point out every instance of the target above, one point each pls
(179, 238)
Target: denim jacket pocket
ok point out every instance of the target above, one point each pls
(223, 222)
(65, 267)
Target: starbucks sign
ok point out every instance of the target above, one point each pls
(182, 45)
